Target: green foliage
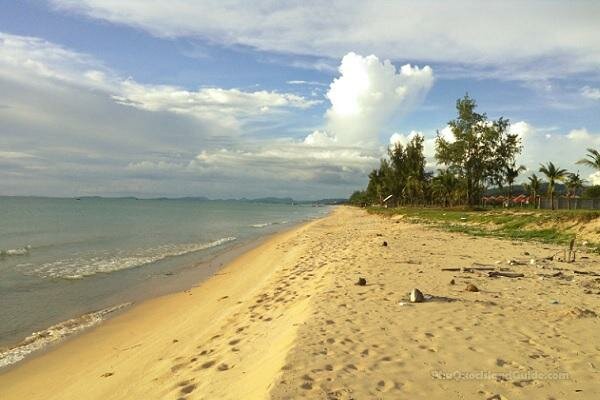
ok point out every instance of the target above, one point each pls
(534, 186)
(574, 183)
(511, 173)
(553, 174)
(401, 175)
(359, 198)
(592, 192)
(514, 224)
(592, 159)
(481, 152)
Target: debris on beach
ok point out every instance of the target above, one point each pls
(452, 282)
(577, 312)
(416, 296)
(494, 274)
(384, 244)
(361, 282)
(471, 288)
(517, 262)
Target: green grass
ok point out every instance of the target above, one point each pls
(514, 224)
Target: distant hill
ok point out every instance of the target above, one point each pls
(265, 200)
(289, 200)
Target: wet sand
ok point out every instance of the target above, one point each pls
(287, 320)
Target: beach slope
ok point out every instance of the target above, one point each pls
(287, 320)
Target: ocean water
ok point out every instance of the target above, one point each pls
(65, 264)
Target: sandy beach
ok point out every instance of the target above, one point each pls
(287, 320)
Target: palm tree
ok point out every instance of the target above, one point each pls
(592, 160)
(444, 186)
(534, 185)
(554, 174)
(574, 183)
(511, 173)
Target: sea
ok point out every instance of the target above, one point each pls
(68, 264)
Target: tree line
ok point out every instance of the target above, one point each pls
(480, 154)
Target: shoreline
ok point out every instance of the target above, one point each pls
(287, 320)
(113, 333)
(188, 277)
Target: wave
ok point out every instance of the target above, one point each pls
(38, 340)
(22, 251)
(265, 224)
(79, 268)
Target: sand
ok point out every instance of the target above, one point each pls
(287, 320)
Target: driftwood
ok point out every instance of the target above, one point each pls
(553, 275)
(469, 269)
(477, 265)
(569, 254)
(551, 258)
(586, 273)
(517, 262)
(492, 274)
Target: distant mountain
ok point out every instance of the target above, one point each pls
(265, 200)
(190, 198)
(271, 200)
(330, 201)
(289, 200)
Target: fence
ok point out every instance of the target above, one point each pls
(562, 203)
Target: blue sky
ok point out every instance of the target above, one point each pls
(225, 99)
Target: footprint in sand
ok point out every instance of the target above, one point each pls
(208, 364)
(188, 389)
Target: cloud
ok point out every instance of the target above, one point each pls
(72, 126)
(541, 145)
(590, 93)
(14, 155)
(558, 38)
(309, 83)
(320, 138)
(446, 133)
(522, 129)
(270, 167)
(22, 58)
(583, 136)
(228, 106)
(368, 93)
(594, 178)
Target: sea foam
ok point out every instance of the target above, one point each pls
(38, 340)
(22, 251)
(78, 268)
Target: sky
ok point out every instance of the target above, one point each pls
(229, 98)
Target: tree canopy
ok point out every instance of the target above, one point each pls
(480, 151)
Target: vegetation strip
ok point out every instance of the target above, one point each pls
(558, 226)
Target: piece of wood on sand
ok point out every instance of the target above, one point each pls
(493, 274)
(469, 269)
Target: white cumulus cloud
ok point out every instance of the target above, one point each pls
(368, 93)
